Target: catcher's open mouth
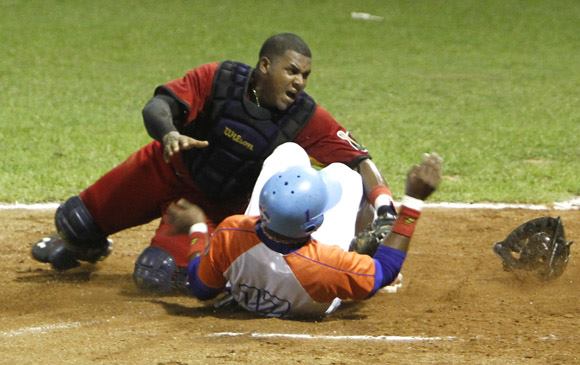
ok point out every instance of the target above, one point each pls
(291, 94)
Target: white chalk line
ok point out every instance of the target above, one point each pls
(573, 204)
(48, 328)
(45, 329)
(301, 336)
(40, 329)
(36, 206)
(383, 338)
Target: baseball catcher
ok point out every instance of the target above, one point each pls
(538, 246)
(213, 130)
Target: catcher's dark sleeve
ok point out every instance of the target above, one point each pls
(159, 115)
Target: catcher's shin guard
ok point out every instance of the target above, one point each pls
(76, 225)
(79, 238)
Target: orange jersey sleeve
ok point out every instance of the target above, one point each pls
(327, 272)
(234, 236)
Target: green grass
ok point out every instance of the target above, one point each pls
(493, 86)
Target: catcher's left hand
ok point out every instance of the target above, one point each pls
(174, 142)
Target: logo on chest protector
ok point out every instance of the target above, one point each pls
(234, 136)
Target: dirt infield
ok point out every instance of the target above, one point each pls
(456, 306)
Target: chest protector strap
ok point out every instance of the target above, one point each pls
(241, 135)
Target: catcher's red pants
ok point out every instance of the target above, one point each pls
(140, 189)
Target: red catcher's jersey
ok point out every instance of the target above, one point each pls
(323, 138)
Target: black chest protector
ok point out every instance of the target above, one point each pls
(241, 135)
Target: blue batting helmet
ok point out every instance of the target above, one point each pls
(293, 201)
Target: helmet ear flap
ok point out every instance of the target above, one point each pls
(264, 215)
(313, 224)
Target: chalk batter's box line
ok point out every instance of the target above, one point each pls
(573, 204)
(294, 336)
(47, 328)
(63, 326)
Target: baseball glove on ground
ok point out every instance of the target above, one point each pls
(367, 241)
(537, 246)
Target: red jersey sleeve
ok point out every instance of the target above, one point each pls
(192, 90)
(326, 141)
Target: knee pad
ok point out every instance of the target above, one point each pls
(156, 271)
(76, 226)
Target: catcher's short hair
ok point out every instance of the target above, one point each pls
(537, 246)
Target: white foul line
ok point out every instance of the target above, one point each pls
(573, 204)
(332, 338)
(37, 206)
(40, 329)
(293, 336)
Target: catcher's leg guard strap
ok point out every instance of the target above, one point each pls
(76, 226)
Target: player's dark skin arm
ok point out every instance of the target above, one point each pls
(370, 174)
(397, 241)
(182, 215)
(422, 180)
(159, 116)
(371, 177)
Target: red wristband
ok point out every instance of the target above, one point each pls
(406, 221)
(378, 190)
